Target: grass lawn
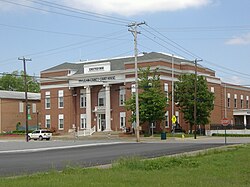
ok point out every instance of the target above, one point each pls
(222, 168)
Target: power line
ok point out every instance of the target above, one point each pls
(189, 52)
(49, 31)
(205, 28)
(76, 10)
(64, 14)
(173, 43)
(67, 46)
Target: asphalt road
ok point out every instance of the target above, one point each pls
(31, 161)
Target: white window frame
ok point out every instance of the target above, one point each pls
(133, 88)
(60, 99)
(122, 95)
(166, 91)
(34, 108)
(47, 118)
(235, 100)
(247, 101)
(122, 119)
(47, 100)
(241, 101)
(21, 107)
(212, 89)
(83, 121)
(60, 119)
(167, 119)
(83, 101)
(228, 100)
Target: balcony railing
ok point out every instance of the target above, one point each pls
(100, 109)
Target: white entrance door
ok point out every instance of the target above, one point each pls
(101, 122)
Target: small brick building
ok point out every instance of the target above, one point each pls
(92, 93)
(12, 110)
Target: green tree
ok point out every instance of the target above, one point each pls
(15, 82)
(152, 99)
(184, 96)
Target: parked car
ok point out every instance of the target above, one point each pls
(40, 134)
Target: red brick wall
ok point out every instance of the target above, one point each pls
(10, 114)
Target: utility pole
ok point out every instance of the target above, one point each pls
(133, 30)
(195, 97)
(26, 96)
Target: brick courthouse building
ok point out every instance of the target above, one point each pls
(91, 94)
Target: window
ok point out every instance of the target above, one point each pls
(235, 100)
(60, 122)
(101, 102)
(83, 121)
(47, 100)
(60, 99)
(166, 90)
(212, 89)
(21, 107)
(122, 96)
(177, 116)
(28, 108)
(47, 121)
(122, 119)
(102, 97)
(241, 101)
(133, 88)
(167, 120)
(228, 100)
(247, 101)
(33, 108)
(82, 98)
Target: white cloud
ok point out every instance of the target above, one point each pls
(233, 80)
(134, 7)
(240, 40)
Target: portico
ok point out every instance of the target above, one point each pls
(241, 117)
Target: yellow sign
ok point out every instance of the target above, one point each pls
(173, 119)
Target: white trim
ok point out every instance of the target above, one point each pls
(47, 96)
(60, 99)
(47, 117)
(122, 95)
(34, 108)
(122, 119)
(235, 96)
(21, 105)
(212, 89)
(83, 121)
(167, 119)
(83, 98)
(60, 117)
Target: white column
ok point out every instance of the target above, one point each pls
(107, 111)
(88, 107)
(245, 121)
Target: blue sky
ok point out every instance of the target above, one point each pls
(218, 31)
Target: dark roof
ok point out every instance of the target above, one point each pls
(116, 63)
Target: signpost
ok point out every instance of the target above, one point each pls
(173, 122)
(225, 123)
